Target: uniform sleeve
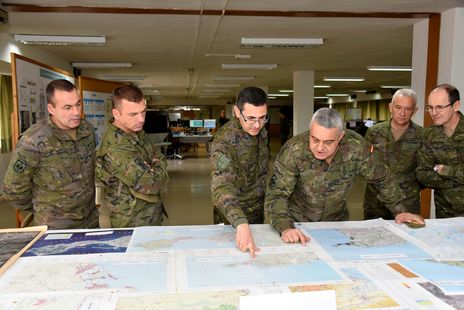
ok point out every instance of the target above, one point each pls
(369, 135)
(378, 174)
(425, 173)
(279, 190)
(223, 177)
(453, 173)
(17, 185)
(132, 169)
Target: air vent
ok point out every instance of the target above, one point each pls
(281, 42)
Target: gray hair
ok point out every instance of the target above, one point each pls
(404, 92)
(328, 118)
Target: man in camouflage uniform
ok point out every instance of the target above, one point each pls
(130, 167)
(397, 143)
(314, 171)
(239, 164)
(441, 156)
(51, 174)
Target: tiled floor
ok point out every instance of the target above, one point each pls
(188, 196)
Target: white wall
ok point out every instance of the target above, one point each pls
(451, 60)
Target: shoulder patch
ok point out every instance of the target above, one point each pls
(223, 162)
(19, 166)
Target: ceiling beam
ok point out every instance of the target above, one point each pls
(13, 7)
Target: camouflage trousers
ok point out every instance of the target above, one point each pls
(374, 208)
(449, 203)
(256, 217)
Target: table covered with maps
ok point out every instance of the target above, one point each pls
(372, 264)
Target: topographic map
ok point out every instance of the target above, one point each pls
(455, 301)
(441, 236)
(266, 268)
(447, 275)
(364, 242)
(87, 273)
(81, 243)
(153, 239)
(217, 300)
(52, 302)
(361, 293)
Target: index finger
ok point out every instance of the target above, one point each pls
(251, 247)
(303, 237)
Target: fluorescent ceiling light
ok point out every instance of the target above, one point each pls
(59, 39)
(389, 68)
(286, 90)
(101, 65)
(281, 42)
(123, 78)
(322, 86)
(232, 78)
(146, 85)
(359, 90)
(222, 85)
(249, 66)
(278, 95)
(321, 97)
(236, 56)
(336, 95)
(272, 97)
(344, 79)
(395, 86)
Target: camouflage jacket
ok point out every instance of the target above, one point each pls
(133, 173)
(401, 157)
(437, 148)
(52, 175)
(239, 165)
(304, 188)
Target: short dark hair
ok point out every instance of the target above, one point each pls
(252, 95)
(61, 85)
(128, 92)
(453, 92)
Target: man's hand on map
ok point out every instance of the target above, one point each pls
(412, 220)
(244, 239)
(293, 235)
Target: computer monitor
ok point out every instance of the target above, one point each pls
(369, 122)
(209, 123)
(196, 123)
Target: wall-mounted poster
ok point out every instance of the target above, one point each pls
(353, 114)
(96, 96)
(97, 110)
(30, 79)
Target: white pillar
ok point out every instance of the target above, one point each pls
(419, 67)
(451, 59)
(303, 100)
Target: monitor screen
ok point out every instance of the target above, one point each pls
(369, 122)
(196, 123)
(209, 123)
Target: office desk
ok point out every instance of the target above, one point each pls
(192, 139)
(369, 264)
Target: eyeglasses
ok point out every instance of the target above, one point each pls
(437, 108)
(253, 120)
